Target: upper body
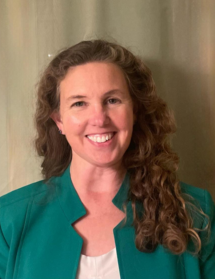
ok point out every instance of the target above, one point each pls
(38, 239)
(98, 111)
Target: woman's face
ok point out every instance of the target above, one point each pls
(96, 113)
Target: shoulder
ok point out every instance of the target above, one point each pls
(18, 205)
(204, 221)
(22, 194)
(17, 201)
(200, 197)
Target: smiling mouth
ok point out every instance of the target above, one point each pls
(101, 138)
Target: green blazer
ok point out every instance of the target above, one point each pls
(37, 240)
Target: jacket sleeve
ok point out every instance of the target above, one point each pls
(4, 251)
(207, 263)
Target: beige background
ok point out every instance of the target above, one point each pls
(176, 38)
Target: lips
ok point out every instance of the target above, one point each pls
(101, 137)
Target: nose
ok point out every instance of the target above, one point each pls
(99, 116)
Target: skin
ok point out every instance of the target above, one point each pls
(96, 169)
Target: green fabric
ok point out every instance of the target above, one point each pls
(37, 240)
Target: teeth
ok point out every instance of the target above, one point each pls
(101, 138)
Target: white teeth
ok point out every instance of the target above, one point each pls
(101, 138)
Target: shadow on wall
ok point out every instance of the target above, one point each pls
(182, 83)
(185, 94)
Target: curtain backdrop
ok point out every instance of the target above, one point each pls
(175, 38)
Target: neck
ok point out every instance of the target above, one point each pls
(90, 179)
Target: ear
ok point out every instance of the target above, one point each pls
(55, 116)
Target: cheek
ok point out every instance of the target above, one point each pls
(74, 125)
(126, 120)
(124, 123)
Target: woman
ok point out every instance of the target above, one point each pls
(110, 204)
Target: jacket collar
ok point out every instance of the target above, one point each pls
(72, 205)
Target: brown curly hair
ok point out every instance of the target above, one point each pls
(149, 159)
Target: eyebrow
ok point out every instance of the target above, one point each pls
(73, 97)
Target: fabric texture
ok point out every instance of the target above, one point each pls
(37, 239)
(100, 267)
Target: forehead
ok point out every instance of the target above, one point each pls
(95, 76)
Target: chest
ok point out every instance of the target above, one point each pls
(96, 229)
(47, 234)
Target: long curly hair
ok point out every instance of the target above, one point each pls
(149, 159)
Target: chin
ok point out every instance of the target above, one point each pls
(106, 163)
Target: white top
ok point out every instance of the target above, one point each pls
(100, 267)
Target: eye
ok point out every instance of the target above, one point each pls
(113, 101)
(78, 104)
